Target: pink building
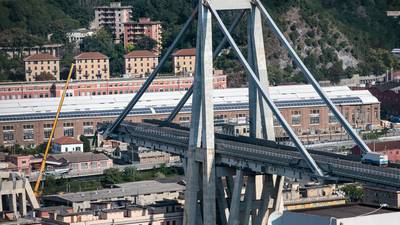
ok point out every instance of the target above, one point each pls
(45, 89)
(389, 148)
(22, 163)
(81, 163)
(134, 30)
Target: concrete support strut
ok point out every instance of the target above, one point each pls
(310, 78)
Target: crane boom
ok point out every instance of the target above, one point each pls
(43, 165)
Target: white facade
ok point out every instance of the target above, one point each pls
(58, 148)
(76, 36)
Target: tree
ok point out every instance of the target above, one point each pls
(145, 43)
(353, 192)
(130, 174)
(86, 143)
(43, 76)
(112, 176)
(103, 42)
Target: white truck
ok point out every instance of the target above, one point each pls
(375, 158)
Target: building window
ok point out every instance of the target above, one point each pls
(8, 135)
(78, 149)
(84, 166)
(93, 165)
(296, 117)
(314, 116)
(28, 131)
(69, 132)
(332, 118)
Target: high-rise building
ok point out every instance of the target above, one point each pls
(92, 66)
(41, 64)
(113, 17)
(135, 30)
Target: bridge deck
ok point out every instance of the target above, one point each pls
(244, 152)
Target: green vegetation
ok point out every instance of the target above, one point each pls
(359, 28)
(130, 174)
(354, 193)
(18, 150)
(86, 143)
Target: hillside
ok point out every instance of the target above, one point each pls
(336, 38)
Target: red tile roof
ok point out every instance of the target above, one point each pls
(185, 52)
(67, 141)
(91, 55)
(41, 57)
(140, 54)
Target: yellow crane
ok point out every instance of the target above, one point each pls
(60, 104)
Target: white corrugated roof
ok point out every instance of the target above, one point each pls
(152, 99)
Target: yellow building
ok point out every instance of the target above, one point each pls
(41, 65)
(92, 66)
(184, 61)
(140, 63)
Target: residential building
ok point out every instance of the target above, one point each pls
(76, 164)
(40, 64)
(389, 148)
(24, 51)
(165, 212)
(112, 17)
(22, 163)
(92, 66)
(135, 30)
(140, 63)
(115, 86)
(67, 144)
(184, 61)
(76, 36)
(140, 192)
(351, 214)
(302, 108)
(358, 81)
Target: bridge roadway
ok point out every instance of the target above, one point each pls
(259, 156)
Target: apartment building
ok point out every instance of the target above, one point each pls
(92, 66)
(140, 63)
(184, 61)
(299, 104)
(41, 64)
(134, 30)
(114, 86)
(112, 17)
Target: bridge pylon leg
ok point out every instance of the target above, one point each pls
(201, 140)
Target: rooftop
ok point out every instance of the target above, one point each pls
(185, 52)
(125, 189)
(141, 54)
(67, 141)
(345, 211)
(91, 55)
(77, 157)
(40, 57)
(163, 102)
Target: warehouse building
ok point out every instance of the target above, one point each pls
(27, 121)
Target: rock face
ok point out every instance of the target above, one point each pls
(327, 44)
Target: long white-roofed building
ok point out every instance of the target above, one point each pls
(300, 105)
